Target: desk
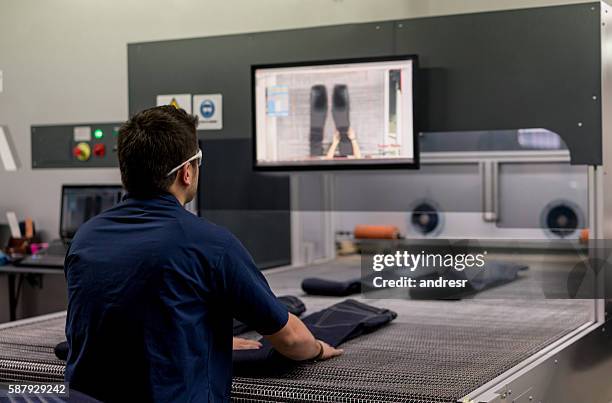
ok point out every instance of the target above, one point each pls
(15, 280)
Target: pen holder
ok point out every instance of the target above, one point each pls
(18, 246)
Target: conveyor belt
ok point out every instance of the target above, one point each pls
(433, 352)
(26, 349)
(424, 359)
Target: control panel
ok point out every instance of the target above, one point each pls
(89, 145)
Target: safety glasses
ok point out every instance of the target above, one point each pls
(198, 157)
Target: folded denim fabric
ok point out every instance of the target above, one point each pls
(294, 305)
(319, 286)
(494, 273)
(335, 325)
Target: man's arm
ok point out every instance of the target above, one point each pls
(253, 302)
(295, 341)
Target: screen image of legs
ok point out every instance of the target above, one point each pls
(335, 325)
(318, 115)
(344, 143)
(340, 112)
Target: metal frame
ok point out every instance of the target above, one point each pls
(328, 222)
(297, 230)
(489, 173)
(488, 166)
(473, 157)
(526, 378)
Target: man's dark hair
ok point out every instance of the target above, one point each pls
(151, 144)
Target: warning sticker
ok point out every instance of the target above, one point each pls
(179, 101)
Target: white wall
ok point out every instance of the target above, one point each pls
(65, 61)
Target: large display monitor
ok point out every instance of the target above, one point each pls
(343, 114)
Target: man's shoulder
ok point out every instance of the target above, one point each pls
(91, 224)
(182, 228)
(206, 232)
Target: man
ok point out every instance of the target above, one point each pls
(152, 289)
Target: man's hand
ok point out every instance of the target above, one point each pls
(329, 351)
(245, 344)
(295, 341)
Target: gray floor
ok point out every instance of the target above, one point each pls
(435, 351)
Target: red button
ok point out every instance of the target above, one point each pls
(99, 150)
(82, 151)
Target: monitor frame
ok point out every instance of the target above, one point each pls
(415, 164)
(62, 235)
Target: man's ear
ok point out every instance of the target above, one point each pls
(186, 175)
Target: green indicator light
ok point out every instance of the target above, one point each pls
(98, 134)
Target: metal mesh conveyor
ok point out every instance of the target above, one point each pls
(26, 349)
(433, 352)
(439, 357)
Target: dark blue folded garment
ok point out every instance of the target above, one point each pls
(347, 320)
(494, 273)
(334, 325)
(319, 286)
(61, 351)
(478, 279)
(294, 305)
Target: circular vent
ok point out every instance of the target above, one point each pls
(562, 219)
(425, 218)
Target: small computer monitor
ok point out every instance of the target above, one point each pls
(345, 114)
(82, 202)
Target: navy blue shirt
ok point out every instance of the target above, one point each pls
(152, 291)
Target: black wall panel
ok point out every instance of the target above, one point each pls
(254, 206)
(223, 65)
(532, 68)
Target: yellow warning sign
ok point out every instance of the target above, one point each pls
(179, 101)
